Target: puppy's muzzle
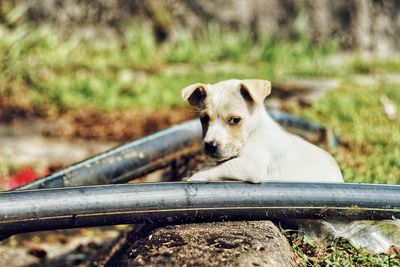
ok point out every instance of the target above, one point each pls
(211, 149)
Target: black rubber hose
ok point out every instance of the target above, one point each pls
(123, 163)
(287, 119)
(46, 209)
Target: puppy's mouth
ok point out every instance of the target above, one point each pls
(218, 157)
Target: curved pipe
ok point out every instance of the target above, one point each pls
(125, 162)
(287, 119)
(135, 159)
(26, 211)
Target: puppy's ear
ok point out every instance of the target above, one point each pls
(255, 90)
(194, 94)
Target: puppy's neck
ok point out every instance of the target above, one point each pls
(264, 125)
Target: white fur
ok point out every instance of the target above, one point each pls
(267, 152)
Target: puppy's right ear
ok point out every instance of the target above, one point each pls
(194, 94)
(255, 90)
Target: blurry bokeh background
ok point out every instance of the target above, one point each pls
(80, 76)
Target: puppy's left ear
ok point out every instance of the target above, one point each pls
(194, 94)
(255, 90)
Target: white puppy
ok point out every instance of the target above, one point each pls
(247, 144)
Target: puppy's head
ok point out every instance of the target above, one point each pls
(227, 113)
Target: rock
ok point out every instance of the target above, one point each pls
(256, 243)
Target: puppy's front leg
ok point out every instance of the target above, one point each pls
(235, 169)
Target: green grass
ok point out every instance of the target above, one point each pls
(338, 252)
(372, 151)
(374, 66)
(134, 72)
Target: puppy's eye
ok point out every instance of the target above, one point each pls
(234, 120)
(204, 118)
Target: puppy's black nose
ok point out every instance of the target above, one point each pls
(211, 148)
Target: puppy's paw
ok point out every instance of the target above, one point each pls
(197, 177)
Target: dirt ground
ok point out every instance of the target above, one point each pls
(109, 126)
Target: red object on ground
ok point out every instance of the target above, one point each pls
(24, 176)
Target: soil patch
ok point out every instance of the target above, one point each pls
(114, 125)
(110, 126)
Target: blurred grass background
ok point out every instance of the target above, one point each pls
(135, 71)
